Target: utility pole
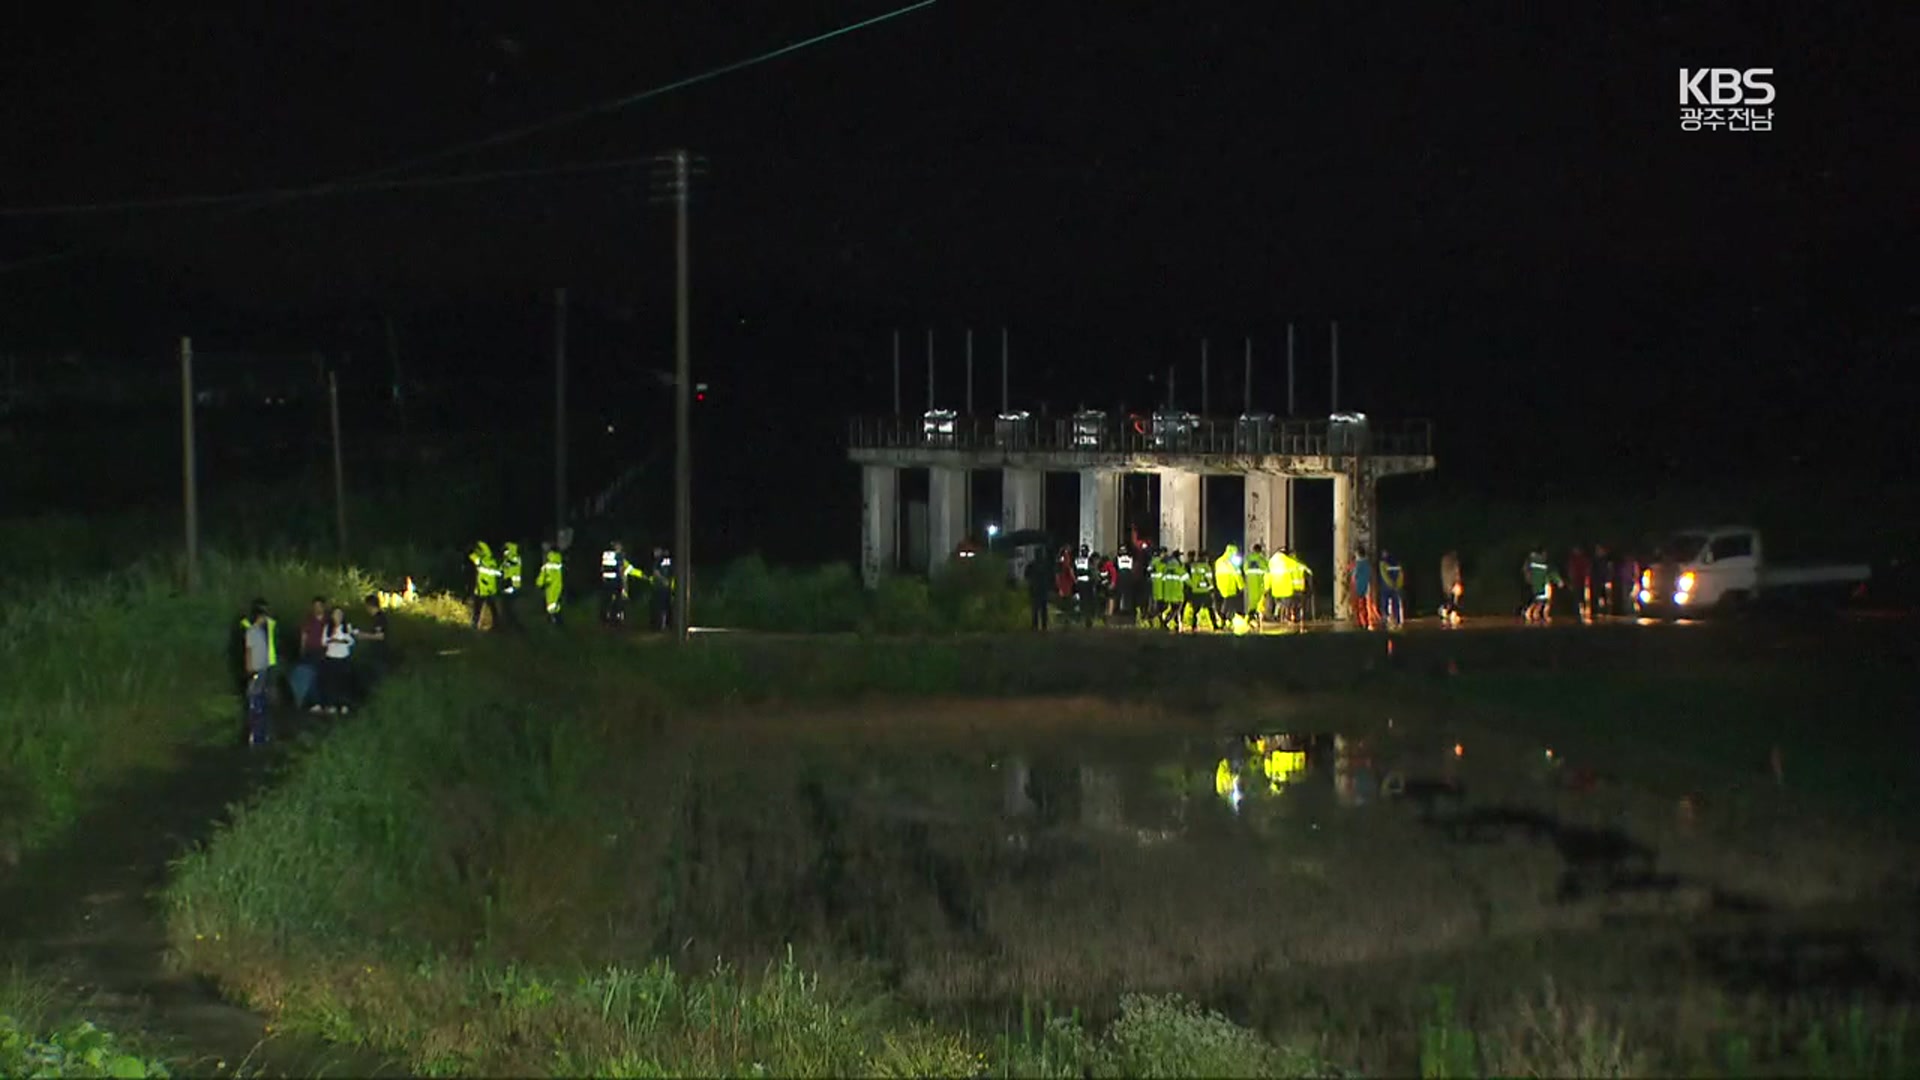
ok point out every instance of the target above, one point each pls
(189, 482)
(679, 182)
(400, 402)
(339, 463)
(559, 413)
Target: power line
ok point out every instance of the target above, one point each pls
(361, 181)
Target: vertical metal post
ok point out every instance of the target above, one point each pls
(188, 473)
(682, 409)
(896, 372)
(1004, 403)
(1170, 371)
(969, 371)
(929, 369)
(1290, 406)
(559, 413)
(339, 463)
(1291, 412)
(1336, 367)
(1205, 383)
(1247, 407)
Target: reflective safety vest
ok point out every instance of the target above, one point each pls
(663, 580)
(1157, 573)
(1200, 579)
(613, 570)
(1226, 574)
(1281, 581)
(1539, 573)
(1123, 563)
(510, 569)
(1174, 577)
(1256, 572)
(552, 580)
(1224, 778)
(1297, 574)
(273, 636)
(1082, 570)
(486, 580)
(1392, 576)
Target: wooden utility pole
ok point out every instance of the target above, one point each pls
(189, 481)
(339, 463)
(680, 184)
(559, 413)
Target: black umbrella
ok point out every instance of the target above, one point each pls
(1025, 538)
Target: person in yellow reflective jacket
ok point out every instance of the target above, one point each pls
(1297, 576)
(1229, 582)
(1280, 585)
(1174, 572)
(1256, 573)
(512, 576)
(1200, 592)
(486, 582)
(552, 581)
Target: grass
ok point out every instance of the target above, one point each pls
(510, 861)
(41, 1037)
(968, 596)
(113, 678)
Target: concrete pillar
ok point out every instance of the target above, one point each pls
(1099, 508)
(1263, 509)
(946, 514)
(1021, 505)
(1180, 511)
(1342, 548)
(1100, 806)
(1017, 799)
(879, 522)
(1353, 523)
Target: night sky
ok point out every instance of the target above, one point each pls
(1495, 201)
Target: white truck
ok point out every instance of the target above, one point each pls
(1725, 569)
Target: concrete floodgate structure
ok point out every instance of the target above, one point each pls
(1179, 448)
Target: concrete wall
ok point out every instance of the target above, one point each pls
(879, 522)
(1180, 511)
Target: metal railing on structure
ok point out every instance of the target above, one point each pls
(1158, 433)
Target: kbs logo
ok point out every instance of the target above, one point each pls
(1731, 94)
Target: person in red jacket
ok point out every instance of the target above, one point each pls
(1110, 583)
(1579, 573)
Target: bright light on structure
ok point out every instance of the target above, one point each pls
(1459, 750)
(993, 531)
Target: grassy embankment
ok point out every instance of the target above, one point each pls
(117, 678)
(571, 854)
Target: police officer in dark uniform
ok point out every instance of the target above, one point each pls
(1083, 598)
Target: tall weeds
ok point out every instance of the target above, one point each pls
(113, 677)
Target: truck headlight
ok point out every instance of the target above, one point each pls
(1682, 598)
(1685, 584)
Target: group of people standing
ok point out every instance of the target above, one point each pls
(617, 577)
(1602, 583)
(336, 663)
(1165, 588)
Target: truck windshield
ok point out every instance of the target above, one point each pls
(1685, 547)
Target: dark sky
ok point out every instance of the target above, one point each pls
(1496, 201)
